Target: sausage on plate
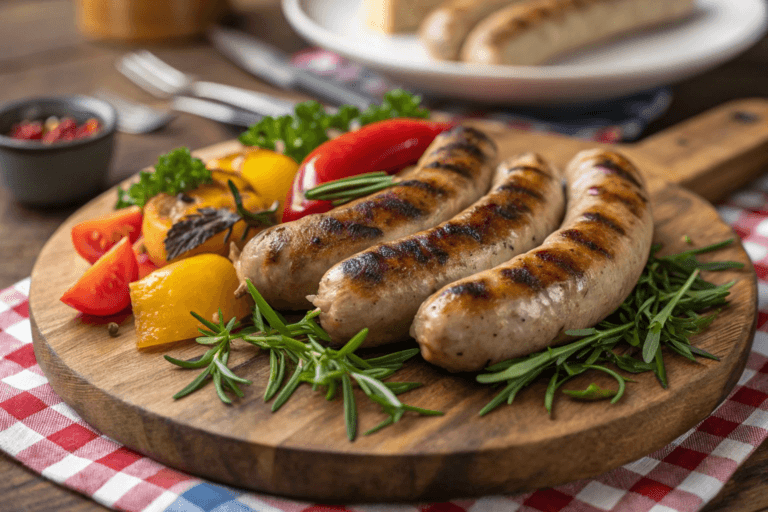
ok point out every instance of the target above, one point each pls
(536, 31)
(286, 262)
(382, 287)
(443, 31)
(579, 275)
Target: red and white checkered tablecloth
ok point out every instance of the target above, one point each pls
(48, 437)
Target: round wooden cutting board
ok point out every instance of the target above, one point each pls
(302, 450)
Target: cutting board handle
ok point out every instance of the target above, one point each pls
(714, 153)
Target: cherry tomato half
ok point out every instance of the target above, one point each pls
(386, 146)
(103, 289)
(95, 237)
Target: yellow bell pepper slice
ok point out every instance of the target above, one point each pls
(163, 210)
(270, 174)
(162, 301)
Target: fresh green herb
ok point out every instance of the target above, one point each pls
(302, 132)
(194, 230)
(253, 220)
(662, 311)
(298, 345)
(593, 392)
(214, 360)
(175, 172)
(345, 190)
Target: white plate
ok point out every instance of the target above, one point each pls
(718, 31)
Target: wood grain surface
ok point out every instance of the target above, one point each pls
(302, 451)
(42, 53)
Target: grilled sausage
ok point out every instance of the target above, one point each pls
(443, 31)
(579, 275)
(287, 261)
(538, 30)
(382, 287)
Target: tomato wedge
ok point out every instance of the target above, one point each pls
(146, 266)
(95, 237)
(386, 146)
(103, 289)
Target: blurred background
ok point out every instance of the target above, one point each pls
(62, 47)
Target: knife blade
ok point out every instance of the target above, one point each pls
(273, 66)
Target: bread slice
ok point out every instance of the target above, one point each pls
(393, 16)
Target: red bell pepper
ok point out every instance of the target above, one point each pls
(388, 146)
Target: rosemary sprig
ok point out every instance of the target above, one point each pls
(214, 360)
(345, 190)
(296, 356)
(663, 310)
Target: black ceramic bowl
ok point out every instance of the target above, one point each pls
(59, 173)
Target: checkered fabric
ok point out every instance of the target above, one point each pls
(48, 437)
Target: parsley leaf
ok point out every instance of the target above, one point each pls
(175, 172)
(308, 127)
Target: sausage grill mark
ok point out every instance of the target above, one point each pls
(368, 267)
(619, 170)
(276, 246)
(466, 147)
(475, 136)
(461, 170)
(511, 211)
(391, 203)
(423, 185)
(355, 230)
(605, 221)
(580, 238)
(635, 203)
(434, 252)
(452, 229)
(520, 189)
(522, 275)
(475, 289)
(558, 259)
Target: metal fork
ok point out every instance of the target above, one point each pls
(135, 117)
(162, 80)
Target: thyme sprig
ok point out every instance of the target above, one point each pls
(296, 355)
(663, 310)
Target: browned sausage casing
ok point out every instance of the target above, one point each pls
(286, 262)
(382, 287)
(580, 274)
(443, 31)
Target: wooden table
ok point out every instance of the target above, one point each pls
(42, 53)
